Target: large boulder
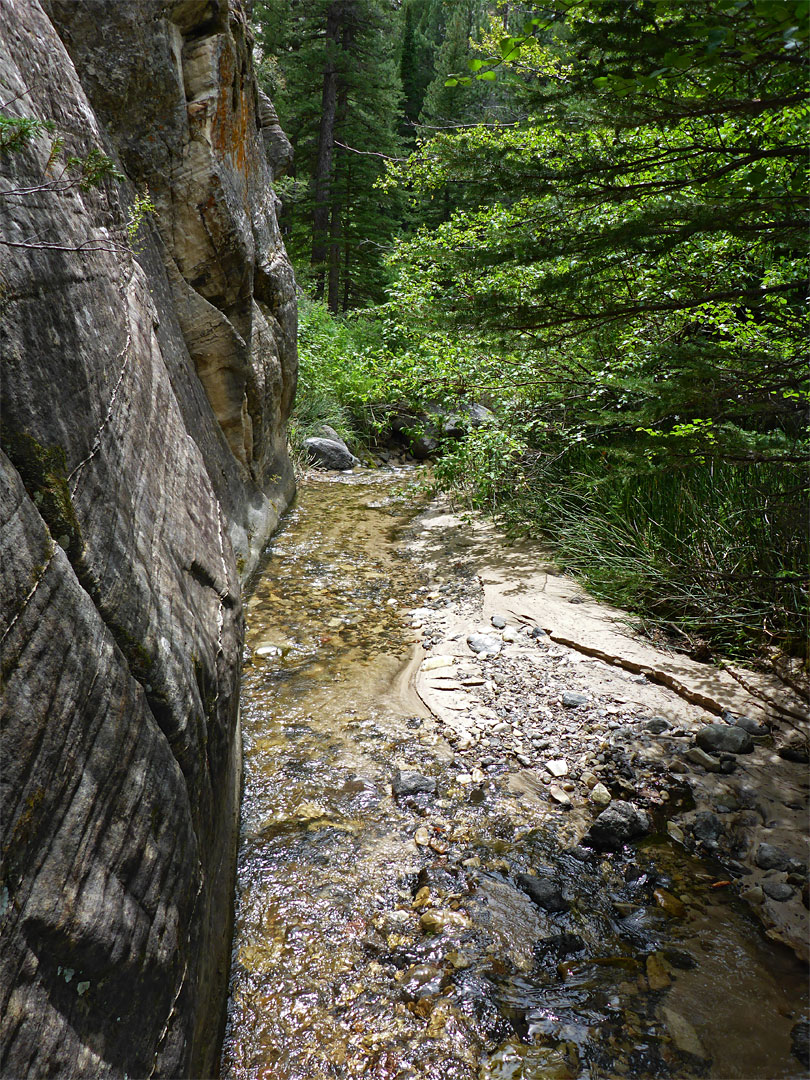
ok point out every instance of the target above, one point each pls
(145, 390)
(330, 453)
(724, 739)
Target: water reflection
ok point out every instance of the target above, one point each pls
(359, 953)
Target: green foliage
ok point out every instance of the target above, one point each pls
(337, 384)
(295, 53)
(83, 171)
(708, 551)
(19, 131)
(612, 255)
(141, 206)
(627, 266)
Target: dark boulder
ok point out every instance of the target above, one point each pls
(542, 891)
(616, 826)
(724, 739)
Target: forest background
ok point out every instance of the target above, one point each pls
(592, 219)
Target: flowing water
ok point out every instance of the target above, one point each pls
(358, 953)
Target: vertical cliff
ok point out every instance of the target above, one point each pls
(145, 388)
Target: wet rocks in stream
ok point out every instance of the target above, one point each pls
(543, 892)
(617, 825)
(411, 783)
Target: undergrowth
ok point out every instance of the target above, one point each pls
(713, 551)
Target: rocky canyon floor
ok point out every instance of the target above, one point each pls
(489, 831)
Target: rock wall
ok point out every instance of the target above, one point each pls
(145, 387)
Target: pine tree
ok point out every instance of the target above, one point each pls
(338, 94)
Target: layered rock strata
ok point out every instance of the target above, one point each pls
(146, 378)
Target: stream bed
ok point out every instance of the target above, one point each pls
(400, 938)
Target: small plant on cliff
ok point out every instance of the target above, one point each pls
(141, 206)
(61, 173)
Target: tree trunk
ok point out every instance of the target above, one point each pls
(336, 233)
(346, 246)
(341, 163)
(326, 137)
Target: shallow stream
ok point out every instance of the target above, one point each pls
(359, 953)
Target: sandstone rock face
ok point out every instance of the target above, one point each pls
(143, 401)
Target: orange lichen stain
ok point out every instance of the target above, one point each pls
(231, 129)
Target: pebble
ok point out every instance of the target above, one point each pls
(770, 857)
(753, 894)
(777, 890)
(498, 621)
(669, 904)
(618, 824)
(697, 756)
(558, 767)
(600, 795)
(571, 699)
(657, 724)
(267, 650)
(559, 796)
(484, 643)
(430, 663)
(436, 921)
(752, 726)
(707, 826)
(683, 1034)
(795, 748)
(412, 783)
(543, 892)
(657, 972)
(422, 836)
(675, 831)
(509, 635)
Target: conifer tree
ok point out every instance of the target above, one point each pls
(333, 66)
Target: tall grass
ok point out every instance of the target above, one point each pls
(715, 553)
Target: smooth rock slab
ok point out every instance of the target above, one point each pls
(721, 739)
(616, 826)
